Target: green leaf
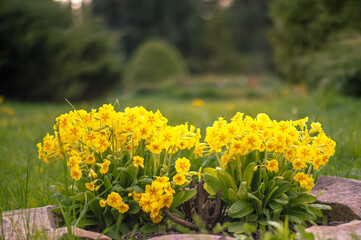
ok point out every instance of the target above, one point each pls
(301, 213)
(226, 179)
(94, 205)
(216, 185)
(302, 199)
(177, 199)
(81, 185)
(187, 194)
(241, 227)
(233, 197)
(320, 206)
(87, 222)
(275, 205)
(134, 207)
(248, 173)
(269, 195)
(145, 181)
(107, 183)
(283, 187)
(240, 209)
(316, 211)
(150, 228)
(270, 186)
(283, 199)
(80, 197)
(242, 191)
(287, 175)
(255, 200)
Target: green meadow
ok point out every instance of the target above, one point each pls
(26, 180)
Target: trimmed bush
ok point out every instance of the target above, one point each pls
(43, 56)
(153, 63)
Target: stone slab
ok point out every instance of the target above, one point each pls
(20, 224)
(192, 237)
(342, 194)
(340, 232)
(62, 233)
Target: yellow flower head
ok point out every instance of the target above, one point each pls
(114, 199)
(102, 203)
(105, 167)
(155, 147)
(138, 161)
(298, 164)
(197, 102)
(166, 200)
(168, 189)
(155, 190)
(122, 207)
(179, 179)
(90, 186)
(75, 173)
(272, 165)
(89, 160)
(182, 165)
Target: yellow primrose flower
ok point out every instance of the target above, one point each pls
(166, 200)
(197, 102)
(179, 179)
(75, 173)
(182, 165)
(89, 160)
(105, 167)
(298, 164)
(73, 161)
(114, 199)
(90, 186)
(102, 203)
(272, 166)
(122, 207)
(155, 190)
(157, 218)
(138, 161)
(168, 189)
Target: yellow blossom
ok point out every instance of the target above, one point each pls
(179, 179)
(122, 207)
(75, 174)
(90, 186)
(182, 165)
(272, 165)
(138, 161)
(105, 167)
(102, 203)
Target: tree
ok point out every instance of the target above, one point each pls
(43, 56)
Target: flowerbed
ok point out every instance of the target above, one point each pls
(131, 170)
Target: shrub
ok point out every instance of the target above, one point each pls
(131, 169)
(318, 42)
(153, 63)
(126, 166)
(266, 168)
(44, 57)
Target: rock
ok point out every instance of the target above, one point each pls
(192, 237)
(39, 223)
(19, 224)
(340, 232)
(342, 194)
(62, 233)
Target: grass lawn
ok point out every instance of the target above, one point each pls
(25, 179)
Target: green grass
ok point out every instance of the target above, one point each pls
(25, 180)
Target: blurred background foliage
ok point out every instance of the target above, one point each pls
(318, 42)
(82, 49)
(153, 63)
